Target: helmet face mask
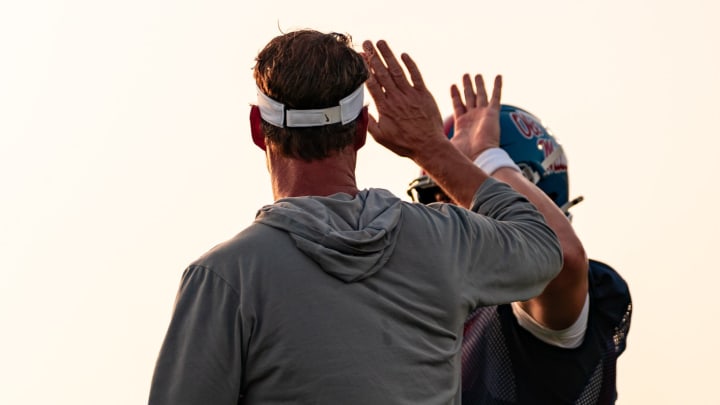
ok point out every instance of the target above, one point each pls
(530, 145)
(424, 190)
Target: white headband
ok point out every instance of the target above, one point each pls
(276, 114)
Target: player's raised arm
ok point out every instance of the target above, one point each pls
(477, 134)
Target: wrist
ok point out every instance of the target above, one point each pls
(493, 159)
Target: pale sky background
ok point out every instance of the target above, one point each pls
(125, 154)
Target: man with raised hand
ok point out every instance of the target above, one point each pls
(343, 295)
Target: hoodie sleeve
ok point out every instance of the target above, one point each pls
(200, 361)
(515, 253)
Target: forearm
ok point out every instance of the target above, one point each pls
(452, 171)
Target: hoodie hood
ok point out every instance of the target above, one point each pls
(351, 238)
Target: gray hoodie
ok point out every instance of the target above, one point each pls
(349, 300)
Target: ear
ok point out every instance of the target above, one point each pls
(362, 124)
(255, 128)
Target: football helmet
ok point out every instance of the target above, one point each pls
(530, 145)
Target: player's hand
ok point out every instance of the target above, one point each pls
(477, 119)
(408, 120)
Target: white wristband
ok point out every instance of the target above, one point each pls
(495, 158)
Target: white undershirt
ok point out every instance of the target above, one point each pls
(568, 338)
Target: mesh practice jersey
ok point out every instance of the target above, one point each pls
(505, 364)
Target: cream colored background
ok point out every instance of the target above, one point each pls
(125, 154)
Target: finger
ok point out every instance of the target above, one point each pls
(481, 91)
(457, 101)
(374, 88)
(470, 98)
(375, 69)
(393, 66)
(497, 92)
(378, 70)
(415, 75)
(368, 51)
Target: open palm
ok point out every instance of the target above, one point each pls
(476, 119)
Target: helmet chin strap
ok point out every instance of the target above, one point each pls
(575, 201)
(566, 207)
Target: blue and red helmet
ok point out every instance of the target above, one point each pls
(531, 147)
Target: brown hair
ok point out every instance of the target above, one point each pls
(307, 69)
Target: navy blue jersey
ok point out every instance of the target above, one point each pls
(505, 364)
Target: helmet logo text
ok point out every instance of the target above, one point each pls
(526, 125)
(548, 147)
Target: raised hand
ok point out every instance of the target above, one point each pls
(409, 120)
(477, 120)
